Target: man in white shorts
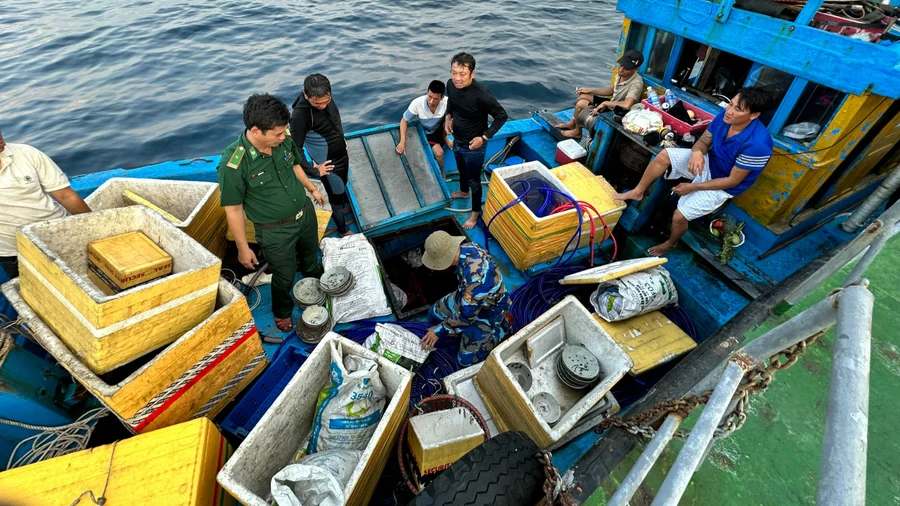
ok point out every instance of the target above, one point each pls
(723, 163)
(430, 111)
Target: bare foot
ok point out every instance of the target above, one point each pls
(629, 195)
(660, 249)
(470, 223)
(345, 234)
(566, 126)
(574, 133)
(459, 195)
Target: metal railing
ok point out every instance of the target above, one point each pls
(843, 466)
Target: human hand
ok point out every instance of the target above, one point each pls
(429, 340)
(247, 258)
(449, 143)
(324, 168)
(448, 125)
(580, 90)
(595, 111)
(401, 147)
(695, 164)
(476, 143)
(683, 188)
(318, 198)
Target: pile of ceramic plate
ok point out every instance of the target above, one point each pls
(336, 281)
(314, 324)
(307, 292)
(577, 367)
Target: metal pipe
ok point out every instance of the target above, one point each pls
(873, 201)
(695, 447)
(645, 462)
(877, 245)
(842, 479)
(811, 321)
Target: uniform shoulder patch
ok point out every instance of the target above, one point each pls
(235, 161)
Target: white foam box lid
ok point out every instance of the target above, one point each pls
(572, 149)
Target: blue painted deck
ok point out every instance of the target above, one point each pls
(703, 292)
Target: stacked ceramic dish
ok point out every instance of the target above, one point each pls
(314, 324)
(336, 281)
(577, 367)
(307, 292)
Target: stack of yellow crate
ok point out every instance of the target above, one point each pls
(185, 344)
(530, 240)
(176, 465)
(192, 206)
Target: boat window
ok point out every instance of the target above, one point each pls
(637, 36)
(690, 63)
(659, 54)
(813, 110)
(775, 82)
(723, 73)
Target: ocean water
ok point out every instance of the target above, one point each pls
(105, 84)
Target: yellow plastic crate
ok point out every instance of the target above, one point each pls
(172, 466)
(124, 261)
(107, 331)
(649, 339)
(197, 375)
(192, 206)
(529, 240)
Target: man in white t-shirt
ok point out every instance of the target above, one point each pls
(430, 111)
(33, 189)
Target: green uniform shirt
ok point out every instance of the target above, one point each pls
(265, 184)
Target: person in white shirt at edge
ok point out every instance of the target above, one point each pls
(33, 189)
(429, 110)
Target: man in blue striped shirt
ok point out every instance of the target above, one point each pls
(723, 163)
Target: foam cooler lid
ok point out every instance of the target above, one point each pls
(571, 148)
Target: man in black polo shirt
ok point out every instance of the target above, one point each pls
(260, 176)
(469, 105)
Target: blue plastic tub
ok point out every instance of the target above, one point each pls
(247, 412)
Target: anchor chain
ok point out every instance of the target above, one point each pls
(754, 381)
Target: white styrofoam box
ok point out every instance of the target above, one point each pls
(461, 384)
(181, 199)
(286, 425)
(580, 328)
(571, 149)
(439, 438)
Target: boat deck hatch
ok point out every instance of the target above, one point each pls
(385, 187)
(400, 256)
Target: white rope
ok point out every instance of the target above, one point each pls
(54, 441)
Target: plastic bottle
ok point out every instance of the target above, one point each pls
(652, 96)
(670, 98)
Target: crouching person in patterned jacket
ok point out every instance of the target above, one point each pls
(477, 309)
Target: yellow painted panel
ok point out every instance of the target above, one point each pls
(650, 340)
(872, 156)
(175, 465)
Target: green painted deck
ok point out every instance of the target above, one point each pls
(774, 458)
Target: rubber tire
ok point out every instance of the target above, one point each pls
(503, 471)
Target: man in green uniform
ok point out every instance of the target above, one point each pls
(260, 176)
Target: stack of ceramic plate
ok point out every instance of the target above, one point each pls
(336, 281)
(314, 324)
(577, 367)
(307, 292)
